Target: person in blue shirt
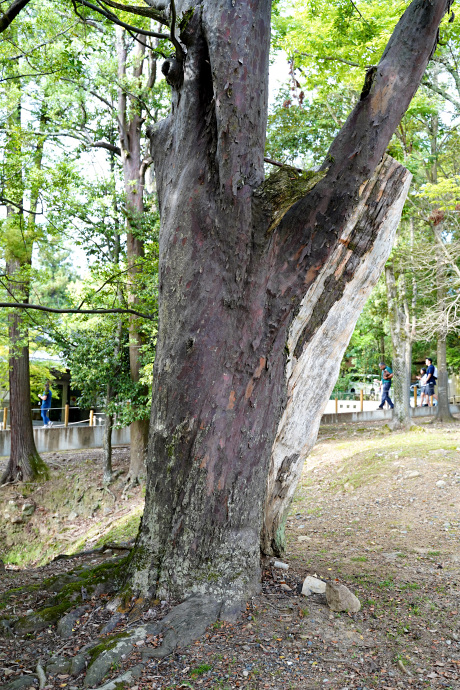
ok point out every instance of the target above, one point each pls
(45, 406)
(430, 380)
(387, 375)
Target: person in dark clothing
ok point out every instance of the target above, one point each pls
(430, 380)
(46, 405)
(387, 375)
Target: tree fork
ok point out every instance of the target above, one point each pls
(233, 280)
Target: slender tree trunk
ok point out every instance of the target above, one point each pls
(24, 462)
(107, 473)
(443, 413)
(130, 120)
(402, 349)
(238, 257)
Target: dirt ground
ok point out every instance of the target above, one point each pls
(378, 511)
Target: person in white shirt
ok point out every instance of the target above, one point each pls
(422, 378)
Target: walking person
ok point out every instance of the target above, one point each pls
(387, 375)
(422, 378)
(430, 381)
(45, 397)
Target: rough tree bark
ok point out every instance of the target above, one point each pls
(130, 121)
(237, 257)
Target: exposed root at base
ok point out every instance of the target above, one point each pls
(184, 624)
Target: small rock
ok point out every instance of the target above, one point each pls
(303, 537)
(281, 565)
(72, 516)
(440, 484)
(16, 520)
(5, 629)
(339, 598)
(78, 664)
(58, 664)
(28, 509)
(313, 585)
(286, 587)
(412, 474)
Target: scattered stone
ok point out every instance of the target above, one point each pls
(412, 474)
(65, 626)
(441, 484)
(28, 509)
(281, 565)
(58, 664)
(16, 520)
(5, 629)
(339, 598)
(303, 537)
(312, 585)
(72, 516)
(78, 664)
(286, 587)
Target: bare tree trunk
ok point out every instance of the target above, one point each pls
(299, 424)
(130, 120)
(401, 339)
(238, 256)
(24, 462)
(107, 473)
(443, 413)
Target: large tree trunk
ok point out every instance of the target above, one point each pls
(237, 258)
(402, 349)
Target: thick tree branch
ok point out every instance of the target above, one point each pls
(38, 307)
(11, 13)
(106, 145)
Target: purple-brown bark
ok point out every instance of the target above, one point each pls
(233, 273)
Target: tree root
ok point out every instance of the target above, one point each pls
(106, 488)
(115, 547)
(181, 626)
(41, 676)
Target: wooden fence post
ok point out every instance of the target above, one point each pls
(415, 396)
(66, 415)
(361, 399)
(5, 417)
(91, 417)
(336, 406)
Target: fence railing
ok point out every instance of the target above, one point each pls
(93, 419)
